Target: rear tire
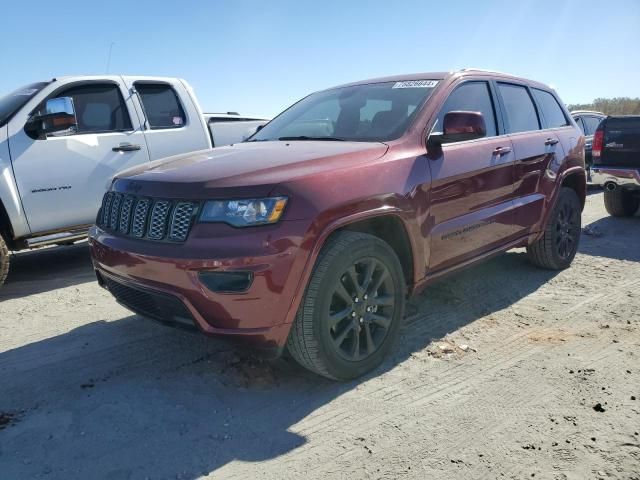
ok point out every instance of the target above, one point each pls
(352, 309)
(4, 260)
(556, 249)
(620, 202)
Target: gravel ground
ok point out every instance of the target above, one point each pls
(502, 371)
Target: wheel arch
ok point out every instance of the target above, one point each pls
(6, 229)
(575, 179)
(366, 222)
(390, 229)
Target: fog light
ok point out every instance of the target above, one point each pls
(226, 282)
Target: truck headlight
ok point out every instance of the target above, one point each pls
(244, 213)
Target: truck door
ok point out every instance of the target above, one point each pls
(62, 179)
(172, 121)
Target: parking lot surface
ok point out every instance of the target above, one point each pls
(501, 371)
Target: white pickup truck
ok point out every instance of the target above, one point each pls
(62, 141)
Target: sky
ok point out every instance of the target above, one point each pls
(259, 56)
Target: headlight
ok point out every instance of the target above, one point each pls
(244, 213)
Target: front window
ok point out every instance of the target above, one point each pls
(375, 112)
(10, 104)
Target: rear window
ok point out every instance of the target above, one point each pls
(551, 110)
(591, 124)
(161, 105)
(519, 109)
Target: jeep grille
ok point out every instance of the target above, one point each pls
(147, 218)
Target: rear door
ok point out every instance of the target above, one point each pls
(62, 179)
(172, 121)
(534, 149)
(472, 184)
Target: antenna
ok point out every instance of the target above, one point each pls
(109, 56)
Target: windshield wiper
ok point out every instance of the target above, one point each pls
(304, 137)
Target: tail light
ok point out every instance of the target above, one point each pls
(596, 145)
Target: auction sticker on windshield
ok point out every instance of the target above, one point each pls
(416, 84)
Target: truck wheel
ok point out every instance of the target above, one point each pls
(559, 244)
(620, 202)
(352, 308)
(4, 261)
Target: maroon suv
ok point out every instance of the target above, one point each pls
(310, 235)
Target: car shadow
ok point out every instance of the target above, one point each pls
(37, 271)
(612, 237)
(133, 399)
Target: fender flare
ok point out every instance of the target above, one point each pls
(327, 231)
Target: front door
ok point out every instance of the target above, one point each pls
(62, 179)
(472, 185)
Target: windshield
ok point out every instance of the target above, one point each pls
(375, 112)
(10, 104)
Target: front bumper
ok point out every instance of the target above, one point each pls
(622, 177)
(162, 281)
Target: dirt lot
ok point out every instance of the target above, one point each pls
(502, 371)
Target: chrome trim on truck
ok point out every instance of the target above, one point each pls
(616, 175)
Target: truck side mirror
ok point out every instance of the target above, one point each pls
(460, 126)
(57, 116)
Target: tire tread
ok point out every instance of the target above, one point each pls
(4, 261)
(541, 252)
(620, 203)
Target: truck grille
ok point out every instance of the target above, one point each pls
(146, 218)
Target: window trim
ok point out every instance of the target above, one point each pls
(540, 109)
(88, 83)
(147, 123)
(504, 110)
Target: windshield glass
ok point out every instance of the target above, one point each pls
(10, 104)
(375, 112)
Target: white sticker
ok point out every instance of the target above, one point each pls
(177, 120)
(27, 92)
(416, 84)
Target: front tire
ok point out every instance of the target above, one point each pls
(4, 260)
(558, 245)
(620, 202)
(352, 309)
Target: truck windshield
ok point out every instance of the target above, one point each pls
(374, 112)
(10, 104)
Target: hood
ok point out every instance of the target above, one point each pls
(251, 168)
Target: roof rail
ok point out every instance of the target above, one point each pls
(468, 69)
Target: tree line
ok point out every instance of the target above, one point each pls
(611, 106)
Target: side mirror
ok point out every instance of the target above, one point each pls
(258, 128)
(460, 126)
(58, 116)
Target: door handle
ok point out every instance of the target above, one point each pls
(501, 151)
(126, 147)
(551, 141)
